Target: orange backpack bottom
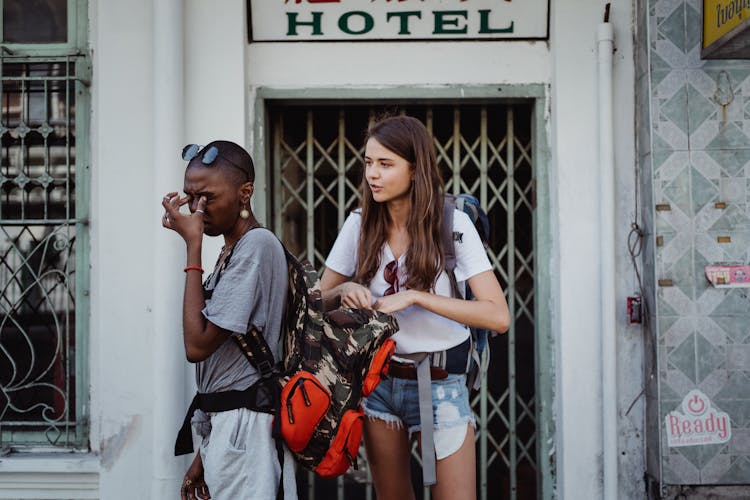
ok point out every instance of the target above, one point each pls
(345, 446)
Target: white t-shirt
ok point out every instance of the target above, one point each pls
(419, 329)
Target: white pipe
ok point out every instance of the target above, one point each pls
(605, 40)
(169, 256)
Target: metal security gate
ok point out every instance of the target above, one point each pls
(43, 242)
(486, 149)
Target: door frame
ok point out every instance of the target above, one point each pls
(545, 302)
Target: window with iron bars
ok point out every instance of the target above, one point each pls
(43, 231)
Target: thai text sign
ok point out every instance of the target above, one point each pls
(721, 17)
(318, 20)
(728, 276)
(698, 424)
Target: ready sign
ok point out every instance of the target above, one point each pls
(326, 20)
(698, 423)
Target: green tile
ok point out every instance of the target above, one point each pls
(674, 474)
(681, 273)
(729, 137)
(668, 406)
(737, 409)
(670, 398)
(738, 357)
(672, 28)
(666, 322)
(733, 219)
(660, 144)
(703, 190)
(683, 358)
(737, 73)
(708, 357)
(660, 157)
(699, 274)
(734, 304)
(699, 108)
(737, 388)
(677, 191)
(738, 473)
(736, 327)
(732, 161)
(736, 250)
(675, 109)
(699, 456)
(658, 75)
(692, 27)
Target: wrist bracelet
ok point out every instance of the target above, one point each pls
(193, 268)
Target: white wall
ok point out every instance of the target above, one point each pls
(144, 110)
(159, 82)
(215, 88)
(575, 163)
(136, 267)
(630, 376)
(372, 64)
(122, 222)
(574, 160)
(568, 63)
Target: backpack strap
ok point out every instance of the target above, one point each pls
(442, 358)
(258, 397)
(255, 348)
(427, 428)
(449, 249)
(423, 364)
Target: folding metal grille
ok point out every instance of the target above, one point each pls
(485, 149)
(41, 236)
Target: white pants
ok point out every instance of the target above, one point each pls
(240, 460)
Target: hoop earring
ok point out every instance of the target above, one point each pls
(245, 213)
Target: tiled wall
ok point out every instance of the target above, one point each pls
(693, 154)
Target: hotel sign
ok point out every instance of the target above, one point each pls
(351, 20)
(726, 29)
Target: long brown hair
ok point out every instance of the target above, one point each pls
(409, 139)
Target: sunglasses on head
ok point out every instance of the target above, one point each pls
(390, 273)
(208, 157)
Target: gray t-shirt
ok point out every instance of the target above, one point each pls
(252, 290)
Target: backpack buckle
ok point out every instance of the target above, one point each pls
(267, 369)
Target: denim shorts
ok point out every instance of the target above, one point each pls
(396, 401)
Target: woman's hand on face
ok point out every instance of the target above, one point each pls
(398, 301)
(355, 296)
(189, 226)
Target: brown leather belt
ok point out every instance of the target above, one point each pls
(409, 371)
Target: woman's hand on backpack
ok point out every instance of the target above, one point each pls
(193, 485)
(390, 304)
(338, 291)
(355, 296)
(189, 226)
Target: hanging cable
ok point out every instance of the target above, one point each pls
(635, 248)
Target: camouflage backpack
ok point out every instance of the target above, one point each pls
(330, 361)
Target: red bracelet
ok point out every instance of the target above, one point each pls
(193, 268)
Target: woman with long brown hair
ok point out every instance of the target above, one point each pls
(389, 256)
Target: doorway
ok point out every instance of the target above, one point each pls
(485, 148)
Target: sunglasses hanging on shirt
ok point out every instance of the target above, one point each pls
(390, 273)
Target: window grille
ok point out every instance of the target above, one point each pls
(43, 253)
